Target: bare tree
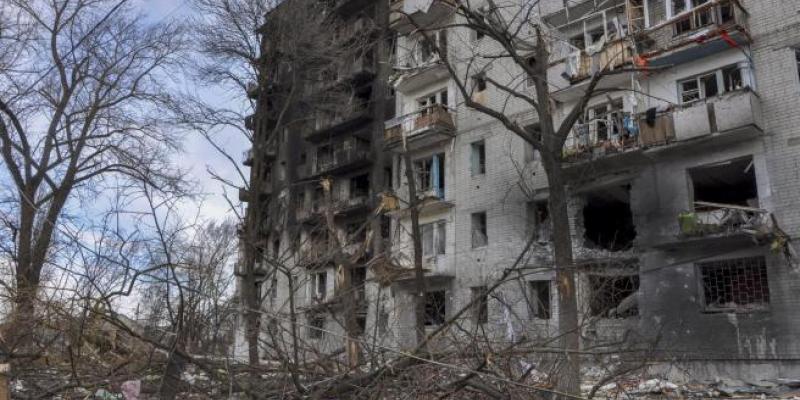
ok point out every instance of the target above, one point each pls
(83, 100)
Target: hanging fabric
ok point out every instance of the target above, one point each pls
(435, 178)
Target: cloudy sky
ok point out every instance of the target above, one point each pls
(199, 156)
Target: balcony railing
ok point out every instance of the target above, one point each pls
(706, 29)
(431, 122)
(713, 219)
(341, 119)
(614, 55)
(732, 116)
(351, 152)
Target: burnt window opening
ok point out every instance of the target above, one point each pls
(276, 248)
(735, 285)
(435, 309)
(359, 283)
(729, 183)
(613, 296)
(387, 178)
(383, 322)
(479, 83)
(359, 186)
(386, 227)
(361, 324)
(540, 300)
(316, 326)
(480, 305)
(480, 236)
(608, 220)
(538, 218)
(356, 231)
(531, 63)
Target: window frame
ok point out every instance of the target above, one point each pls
(720, 74)
(436, 319)
(535, 306)
(740, 308)
(438, 245)
(480, 307)
(482, 219)
(477, 149)
(319, 285)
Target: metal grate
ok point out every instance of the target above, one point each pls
(739, 284)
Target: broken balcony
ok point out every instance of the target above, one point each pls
(344, 118)
(624, 140)
(715, 220)
(407, 15)
(707, 29)
(351, 153)
(419, 129)
(612, 56)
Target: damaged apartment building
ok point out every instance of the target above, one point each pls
(682, 180)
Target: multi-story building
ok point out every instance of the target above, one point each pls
(681, 177)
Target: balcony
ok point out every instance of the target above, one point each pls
(340, 207)
(403, 12)
(420, 129)
(705, 30)
(244, 195)
(250, 122)
(419, 72)
(247, 158)
(252, 90)
(581, 65)
(351, 153)
(722, 120)
(346, 118)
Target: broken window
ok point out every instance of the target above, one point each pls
(538, 216)
(732, 182)
(531, 62)
(434, 238)
(613, 296)
(605, 120)
(430, 176)
(276, 248)
(356, 231)
(359, 283)
(711, 84)
(435, 310)
(739, 284)
(273, 289)
(479, 83)
(480, 305)
(797, 61)
(316, 326)
(608, 220)
(319, 285)
(359, 186)
(383, 322)
(478, 158)
(539, 301)
(535, 130)
(479, 234)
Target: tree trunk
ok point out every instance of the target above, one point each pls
(569, 377)
(420, 289)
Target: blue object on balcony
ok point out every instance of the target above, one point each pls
(435, 178)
